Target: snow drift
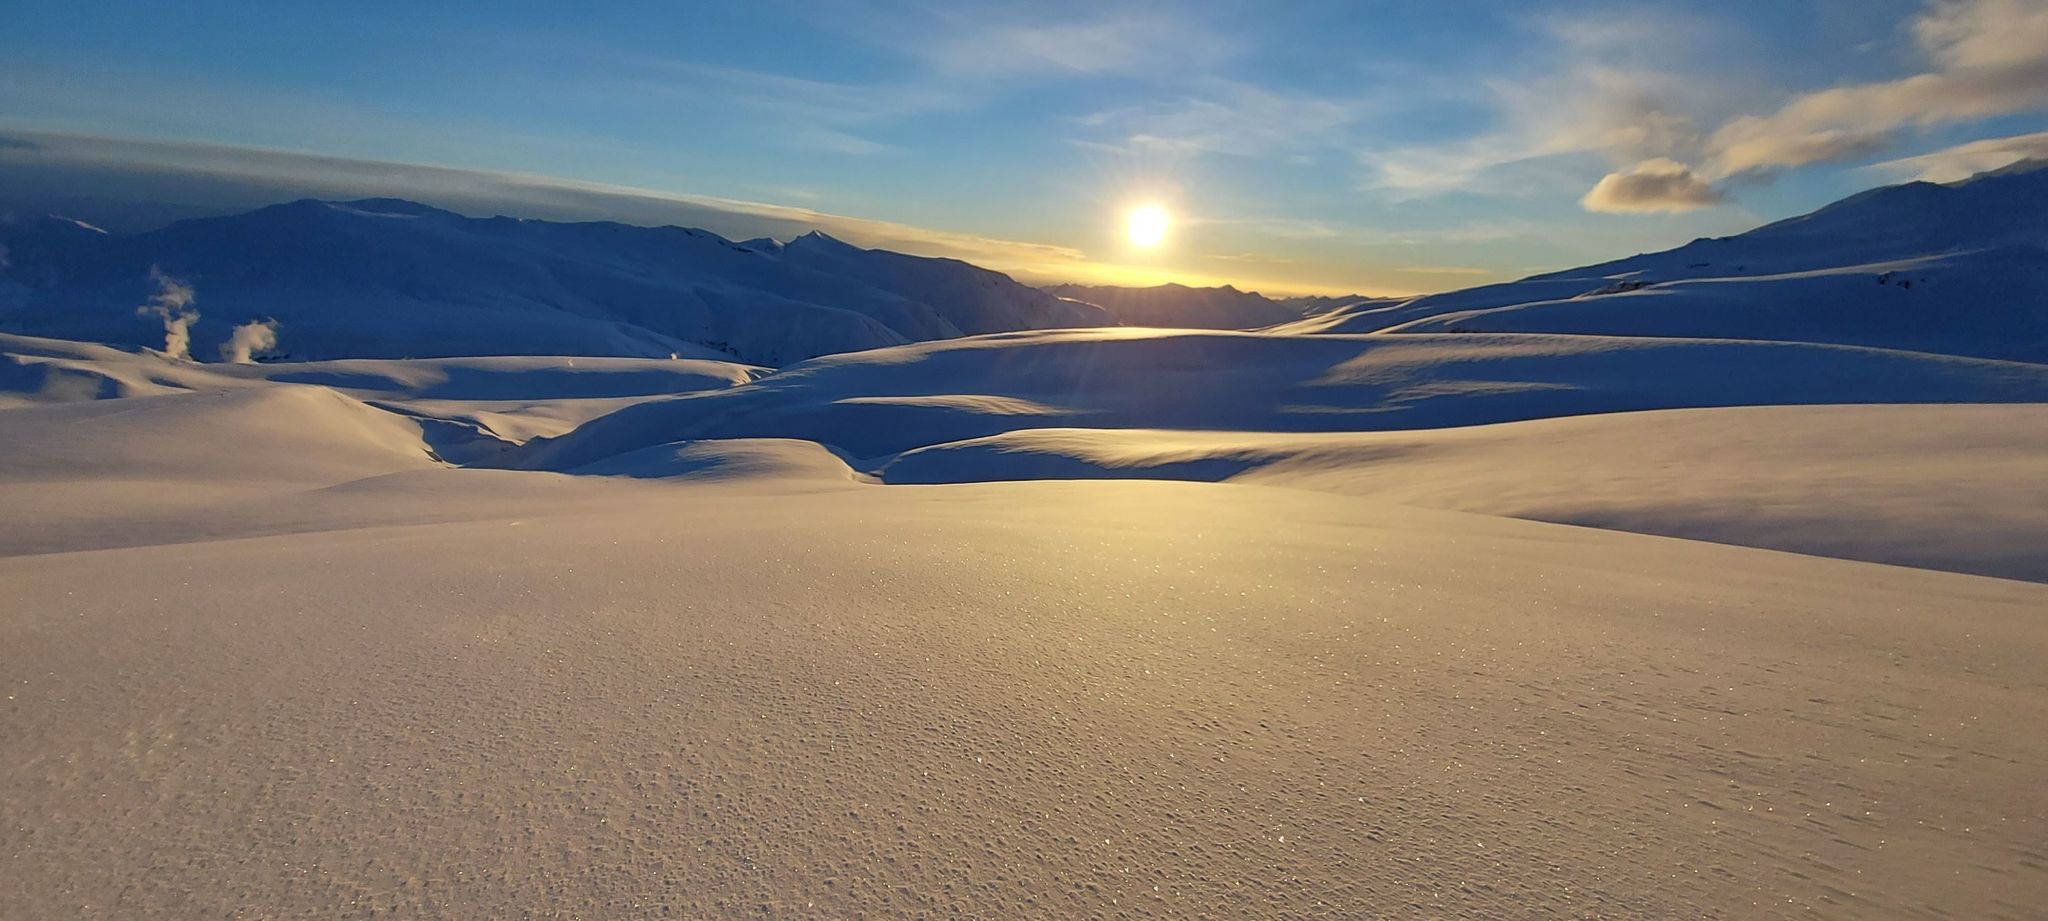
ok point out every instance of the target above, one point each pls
(890, 400)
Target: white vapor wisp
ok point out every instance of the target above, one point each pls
(172, 303)
(247, 340)
(1965, 160)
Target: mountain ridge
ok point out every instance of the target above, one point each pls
(1958, 268)
(382, 277)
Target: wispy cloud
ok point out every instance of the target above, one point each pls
(1965, 160)
(1221, 116)
(1286, 228)
(1254, 258)
(951, 61)
(1655, 98)
(799, 112)
(1620, 88)
(1987, 57)
(978, 44)
(209, 178)
(1984, 58)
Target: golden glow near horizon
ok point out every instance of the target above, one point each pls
(1146, 225)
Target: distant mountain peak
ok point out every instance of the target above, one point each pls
(820, 238)
(362, 207)
(390, 207)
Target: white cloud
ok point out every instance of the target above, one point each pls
(1965, 160)
(1989, 57)
(1651, 186)
(1637, 90)
(1621, 88)
(1970, 34)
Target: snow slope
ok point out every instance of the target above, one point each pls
(424, 691)
(386, 279)
(1986, 303)
(1959, 269)
(55, 370)
(470, 408)
(160, 467)
(1942, 487)
(1938, 486)
(890, 400)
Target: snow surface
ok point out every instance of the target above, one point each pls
(1943, 487)
(378, 685)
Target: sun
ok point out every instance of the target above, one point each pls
(1146, 225)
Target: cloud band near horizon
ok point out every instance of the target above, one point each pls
(132, 184)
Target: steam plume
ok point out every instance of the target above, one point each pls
(172, 303)
(248, 339)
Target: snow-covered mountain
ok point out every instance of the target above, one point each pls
(1957, 269)
(1960, 269)
(391, 278)
(1173, 306)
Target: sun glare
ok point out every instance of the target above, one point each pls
(1146, 225)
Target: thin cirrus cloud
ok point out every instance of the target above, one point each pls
(1965, 160)
(952, 63)
(1102, 44)
(1222, 116)
(798, 112)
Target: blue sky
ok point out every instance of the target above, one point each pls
(1308, 146)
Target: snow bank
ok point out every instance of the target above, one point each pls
(1941, 487)
(779, 459)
